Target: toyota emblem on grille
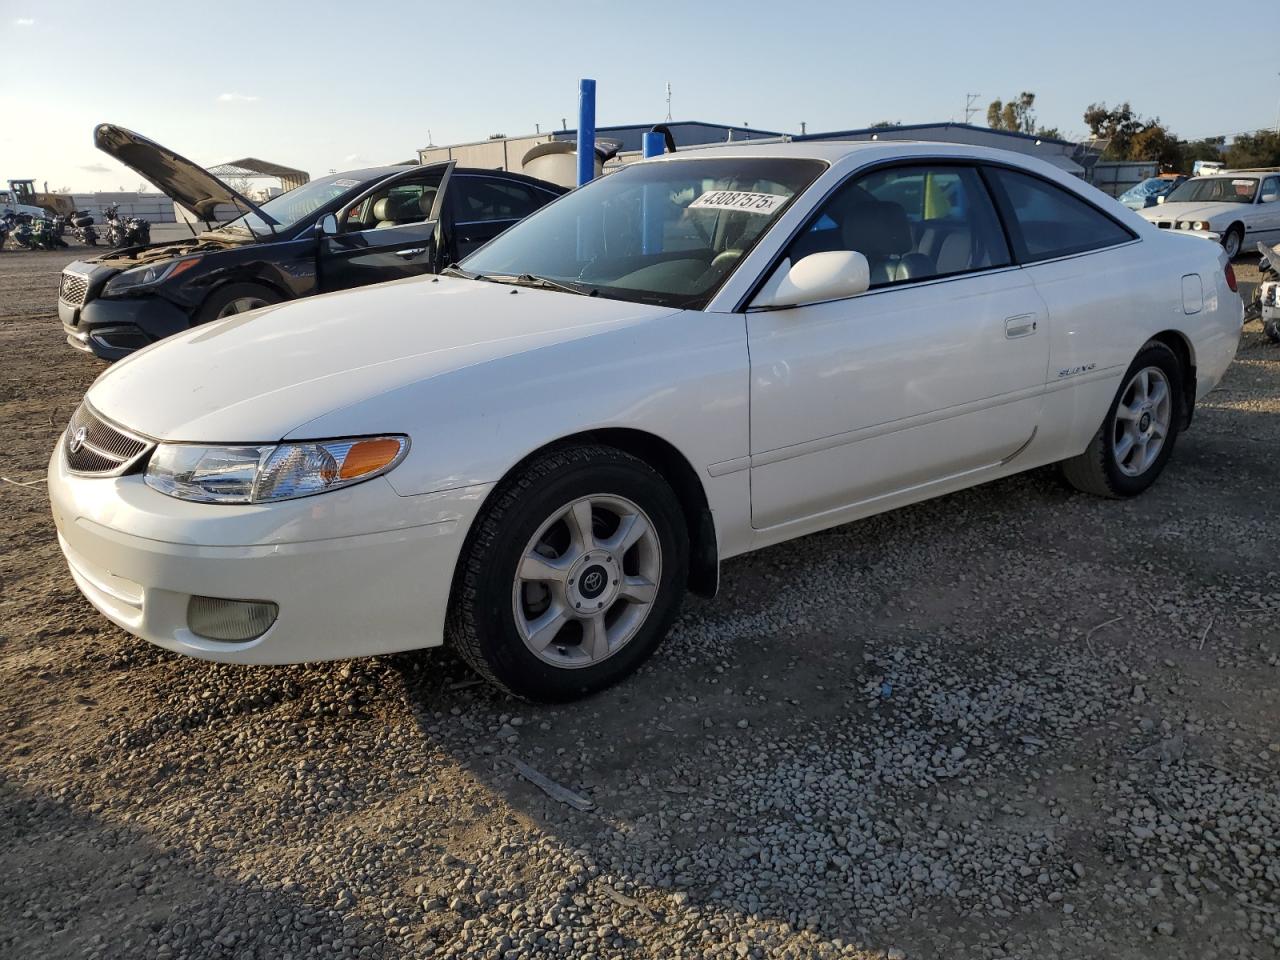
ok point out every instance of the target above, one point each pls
(77, 439)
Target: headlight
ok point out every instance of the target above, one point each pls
(256, 474)
(146, 276)
(1201, 225)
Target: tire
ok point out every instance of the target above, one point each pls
(1272, 329)
(235, 298)
(1102, 470)
(503, 608)
(1232, 241)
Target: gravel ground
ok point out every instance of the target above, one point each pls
(1013, 722)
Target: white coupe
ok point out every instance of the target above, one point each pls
(1238, 207)
(533, 456)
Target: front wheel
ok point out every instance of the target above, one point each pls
(1137, 435)
(572, 576)
(1232, 241)
(235, 298)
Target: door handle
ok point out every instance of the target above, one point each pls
(411, 252)
(1020, 326)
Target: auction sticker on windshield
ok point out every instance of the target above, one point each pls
(765, 203)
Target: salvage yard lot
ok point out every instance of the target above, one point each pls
(1016, 721)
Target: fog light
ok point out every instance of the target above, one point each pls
(232, 620)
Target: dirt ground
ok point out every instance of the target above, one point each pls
(1012, 722)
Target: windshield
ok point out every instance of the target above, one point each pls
(668, 232)
(298, 204)
(1148, 188)
(1215, 190)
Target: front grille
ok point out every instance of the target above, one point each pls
(94, 446)
(1164, 224)
(73, 289)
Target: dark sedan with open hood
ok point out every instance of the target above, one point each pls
(343, 230)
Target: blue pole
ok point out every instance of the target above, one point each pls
(586, 131)
(653, 145)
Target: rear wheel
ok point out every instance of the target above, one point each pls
(1136, 438)
(572, 576)
(236, 298)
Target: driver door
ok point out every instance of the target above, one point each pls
(389, 233)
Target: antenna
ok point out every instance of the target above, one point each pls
(802, 125)
(537, 128)
(430, 139)
(668, 99)
(969, 109)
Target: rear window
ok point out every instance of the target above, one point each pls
(1047, 221)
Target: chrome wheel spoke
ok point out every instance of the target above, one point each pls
(546, 628)
(1124, 447)
(578, 519)
(595, 637)
(1124, 412)
(537, 567)
(1159, 393)
(638, 590)
(630, 530)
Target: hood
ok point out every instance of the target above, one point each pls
(1194, 210)
(178, 178)
(258, 376)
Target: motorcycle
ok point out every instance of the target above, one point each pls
(20, 229)
(82, 228)
(127, 231)
(6, 224)
(1265, 304)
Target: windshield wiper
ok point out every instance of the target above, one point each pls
(546, 283)
(453, 270)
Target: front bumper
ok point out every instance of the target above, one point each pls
(113, 329)
(354, 572)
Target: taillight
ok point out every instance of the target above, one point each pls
(1231, 279)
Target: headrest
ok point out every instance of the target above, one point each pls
(877, 228)
(382, 209)
(427, 201)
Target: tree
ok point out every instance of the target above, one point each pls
(1155, 142)
(1207, 149)
(884, 124)
(1117, 124)
(1260, 149)
(1017, 115)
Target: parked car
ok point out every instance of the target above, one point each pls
(344, 230)
(1149, 191)
(535, 454)
(1238, 207)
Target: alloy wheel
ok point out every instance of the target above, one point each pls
(1144, 417)
(587, 580)
(241, 305)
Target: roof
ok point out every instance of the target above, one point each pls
(948, 125)
(617, 127)
(253, 167)
(848, 153)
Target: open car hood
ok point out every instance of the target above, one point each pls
(177, 177)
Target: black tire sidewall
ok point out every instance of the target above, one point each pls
(517, 667)
(1152, 355)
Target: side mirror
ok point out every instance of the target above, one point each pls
(327, 226)
(1160, 199)
(833, 275)
(1270, 197)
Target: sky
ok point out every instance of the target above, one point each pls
(330, 86)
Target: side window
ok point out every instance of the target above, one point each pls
(1047, 221)
(1271, 188)
(478, 199)
(393, 206)
(912, 223)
